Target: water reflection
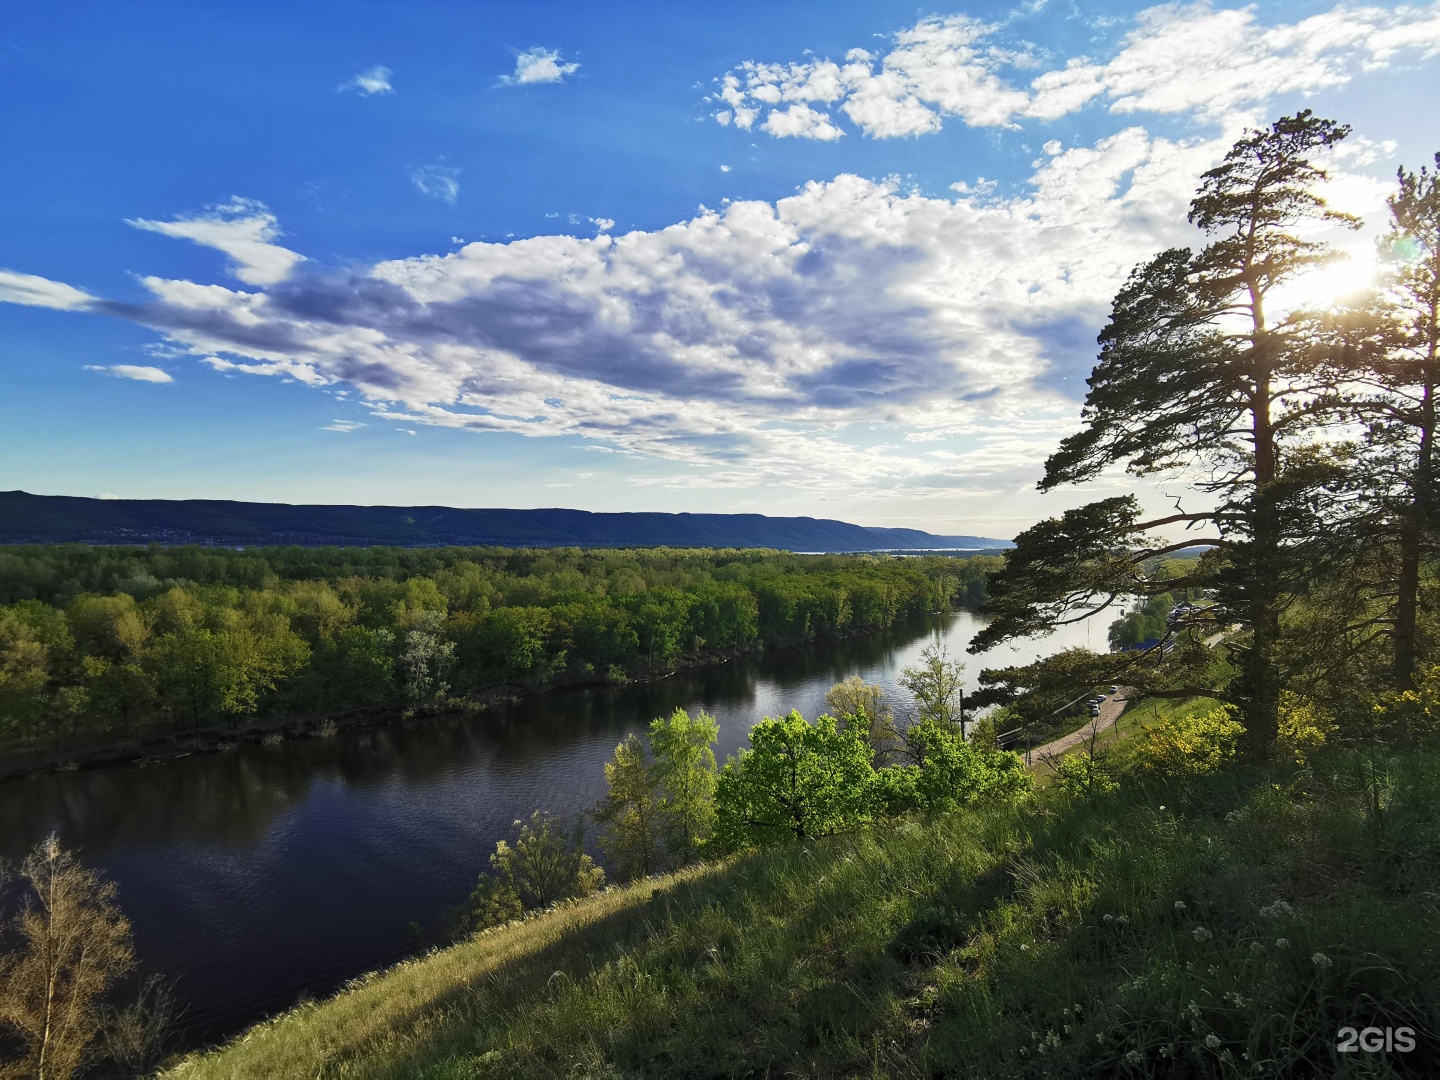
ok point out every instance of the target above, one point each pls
(254, 872)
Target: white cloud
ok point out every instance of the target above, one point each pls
(438, 181)
(1216, 63)
(132, 371)
(801, 121)
(829, 340)
(368, 83)
(31, 290)
(758, 343)
(243, 229)
(539, 65)
(724, 168)
(603, 224)
(345, 426)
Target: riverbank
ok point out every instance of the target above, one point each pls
(16, 764)
(1239, 924)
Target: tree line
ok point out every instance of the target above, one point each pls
(107, 645)
(1299, 431)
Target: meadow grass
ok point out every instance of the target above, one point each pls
(1227, 927)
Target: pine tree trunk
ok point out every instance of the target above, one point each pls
(1263, 572)
(1407, 606)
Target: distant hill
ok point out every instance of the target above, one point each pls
(49, 519)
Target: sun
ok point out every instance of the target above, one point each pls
(1330, 285)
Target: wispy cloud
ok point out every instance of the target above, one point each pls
(368, 83)
(345, 426)
(1180, 58)
(539, 65)
(34, 291)
(243, 229)
(139, 373)
(438, 181)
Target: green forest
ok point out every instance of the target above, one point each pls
(103, 646)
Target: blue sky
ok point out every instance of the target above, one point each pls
(834, 259)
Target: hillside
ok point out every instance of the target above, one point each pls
(1232, 928)
(36, 519)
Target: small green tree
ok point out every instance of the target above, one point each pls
(630, 812)
(493, 902)
(952, 773)
(73, 944)
(937, 685)
(796, 781)
(685, 775)
(546, 865)
(855, 700)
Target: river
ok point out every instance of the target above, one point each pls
(255, 874)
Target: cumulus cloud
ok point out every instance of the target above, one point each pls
(857, 335)
(243, 229)
(133, 371)
(539, 65)
(368, 83)
(438, 181)
(750, 343)
(962, 67)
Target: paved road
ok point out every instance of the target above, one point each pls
(1110, 710)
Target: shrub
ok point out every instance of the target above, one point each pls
(1413, 716)
(1189, 746)
(1084, 774)
(1304, 726)
(544, 866)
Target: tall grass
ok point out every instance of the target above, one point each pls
(1228, 928)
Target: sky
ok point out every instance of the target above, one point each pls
(839, 259)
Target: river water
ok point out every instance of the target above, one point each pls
(255, 874)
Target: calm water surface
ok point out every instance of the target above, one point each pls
(254, 874)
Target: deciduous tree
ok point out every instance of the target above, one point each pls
(682, 747)
(796, 781)
(69, 944)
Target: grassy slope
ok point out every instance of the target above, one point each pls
(1042, 940)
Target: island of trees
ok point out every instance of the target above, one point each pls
(106, 647)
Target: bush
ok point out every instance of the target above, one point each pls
(1304, 726)
(543, 867)
(1413, 716)
(1191, 746)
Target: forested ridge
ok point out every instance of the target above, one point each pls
(102, 646)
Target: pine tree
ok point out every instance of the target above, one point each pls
(1389, 344)
(1198, 378)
